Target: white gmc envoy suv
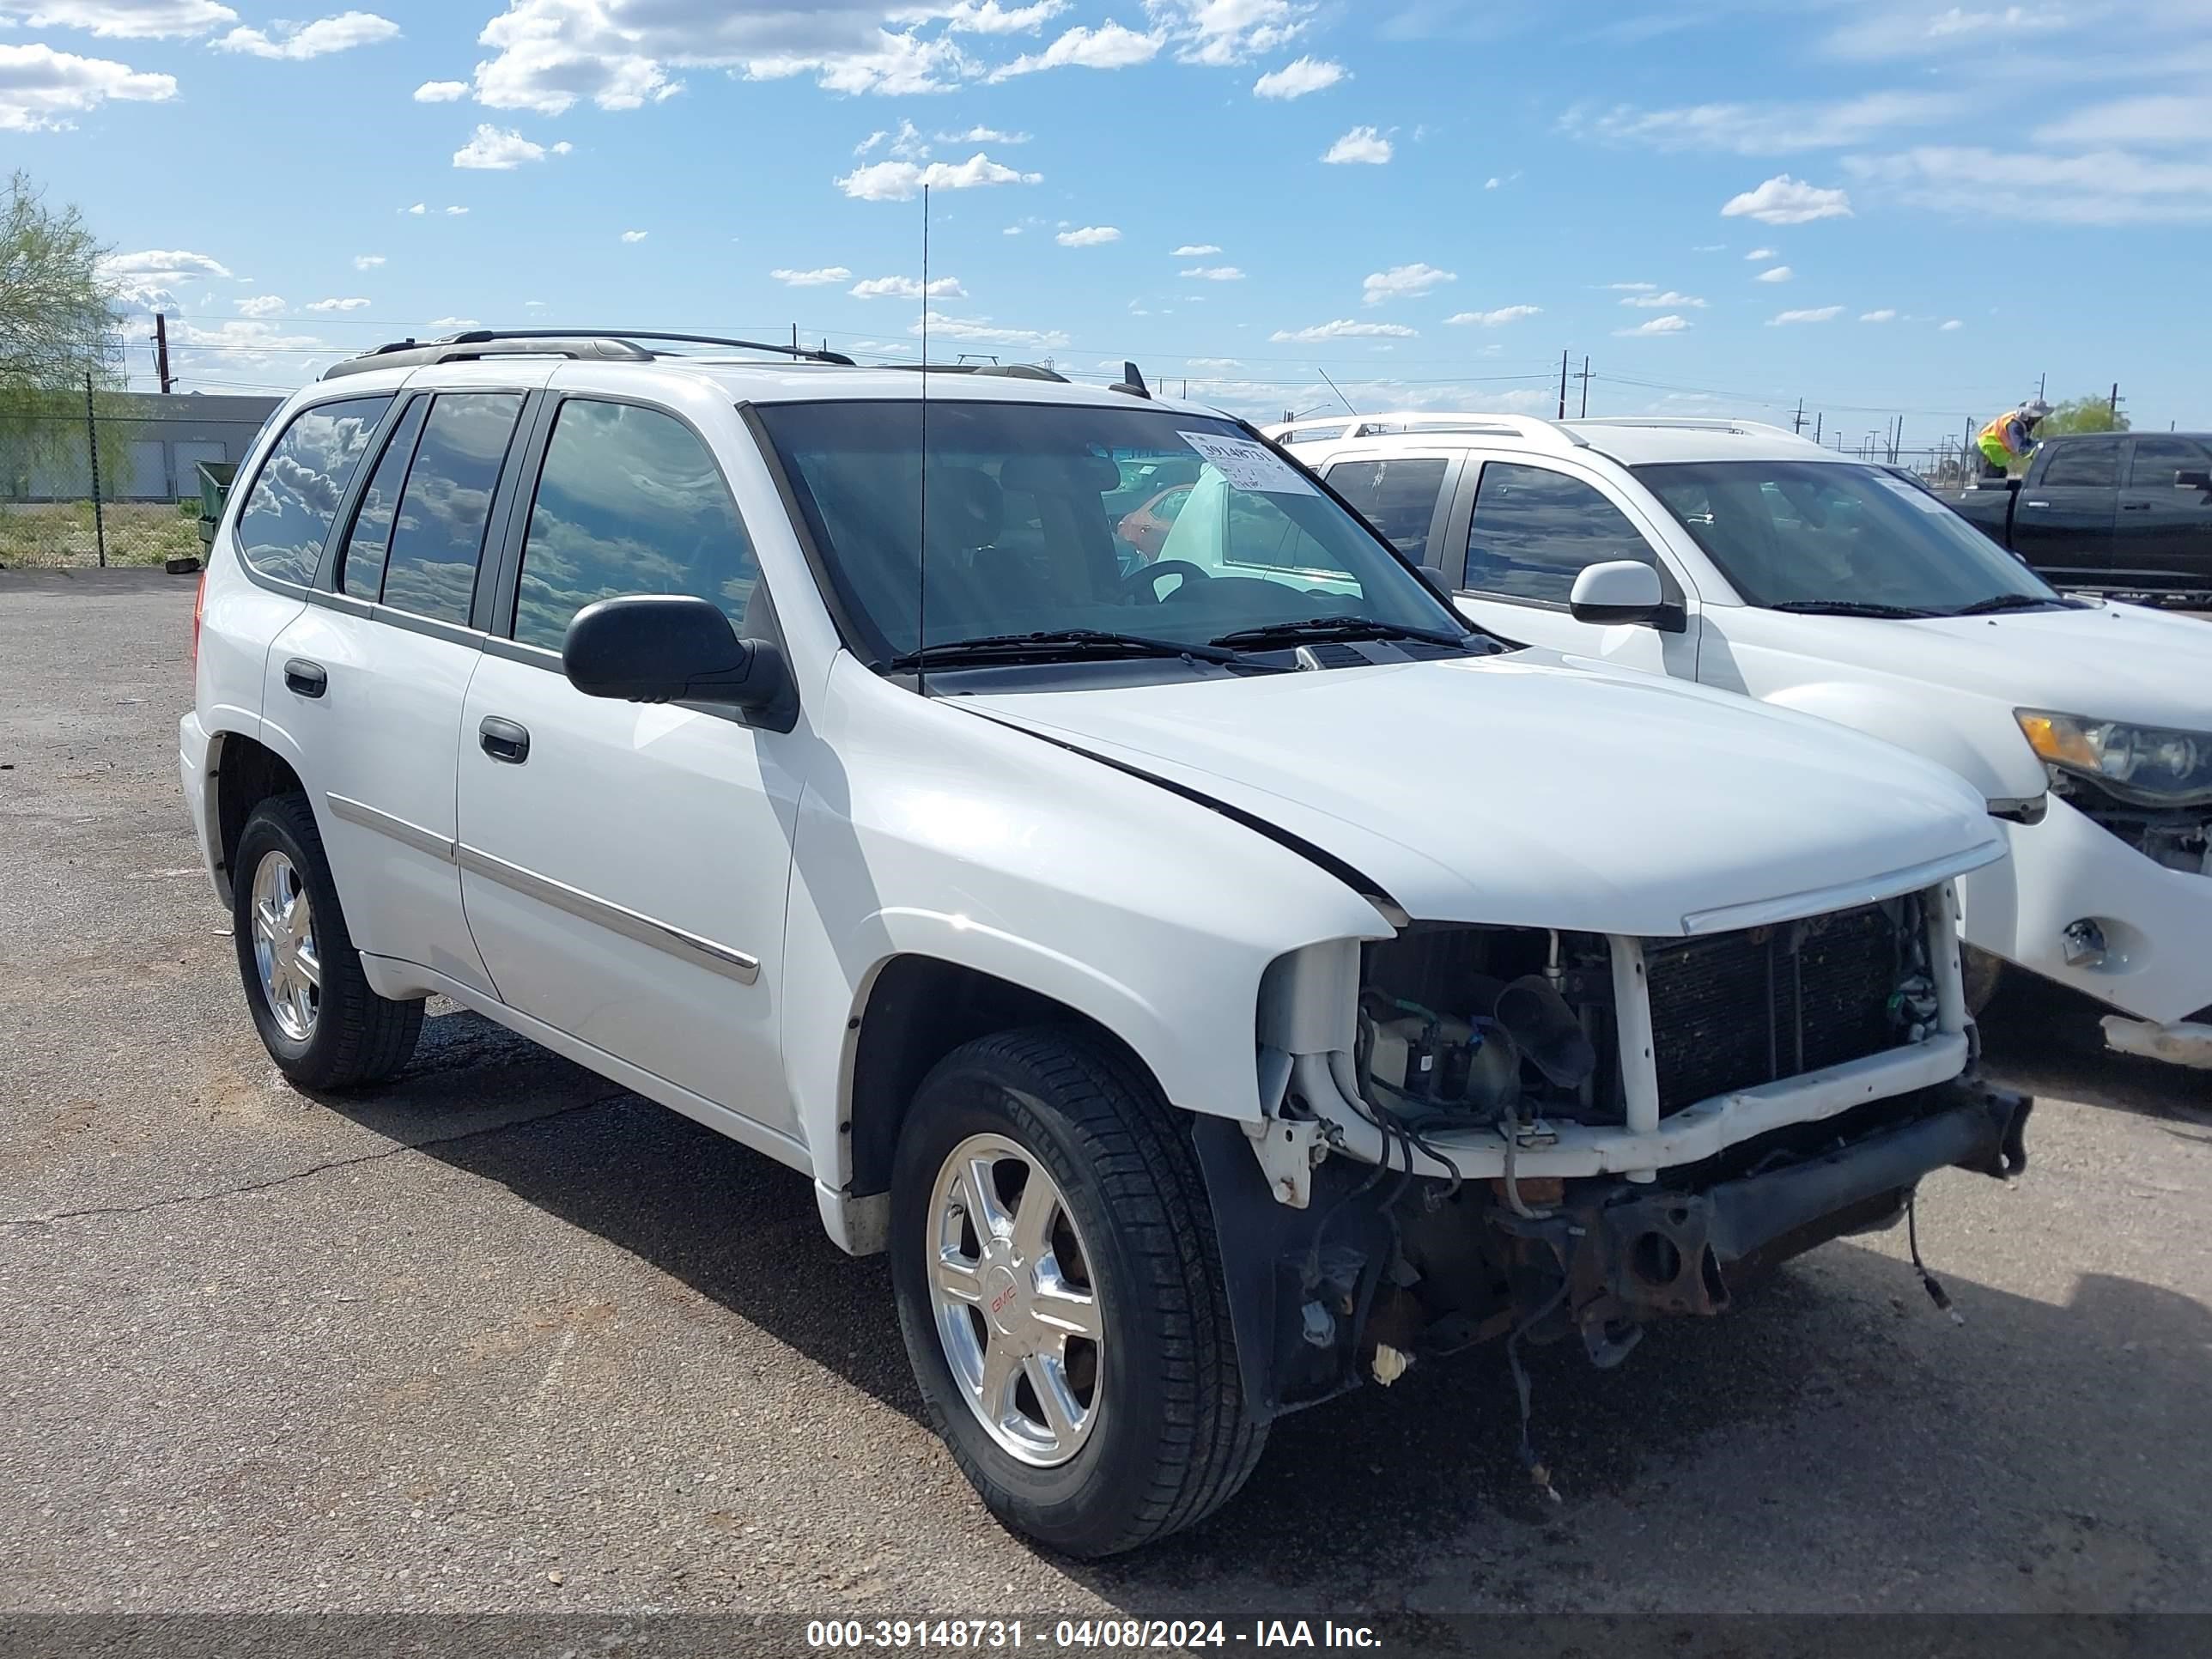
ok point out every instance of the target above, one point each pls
(1216, 973)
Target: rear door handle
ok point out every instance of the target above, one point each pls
(504, 740)
(309, 679)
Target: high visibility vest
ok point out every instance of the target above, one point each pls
(1993, 441)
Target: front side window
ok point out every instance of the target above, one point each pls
(1535, 531)
(294, 500)
(1019, 535)
(438, 528)
(2093, 462)
(629, 502)
(1811, 534)
(1398, 497)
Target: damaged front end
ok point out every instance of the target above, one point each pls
(1482, 1132)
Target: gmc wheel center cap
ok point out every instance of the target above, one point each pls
(1002, 1301)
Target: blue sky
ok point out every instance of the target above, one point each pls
(1885, 207)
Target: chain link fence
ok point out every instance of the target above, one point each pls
(118, 480)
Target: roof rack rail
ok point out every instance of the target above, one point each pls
(1001, 371)
(607, 344)
(1693, 424)
(1422, 423)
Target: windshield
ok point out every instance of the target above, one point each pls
(1042, 519)
(1807, 533)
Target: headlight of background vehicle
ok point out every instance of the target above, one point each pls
(2145, 763)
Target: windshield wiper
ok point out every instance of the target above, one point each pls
(1996, 602)
(1335, 627)
(1062, 644)
(1852, 608)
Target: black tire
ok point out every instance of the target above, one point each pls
(357, 1036)
(1173, 1440)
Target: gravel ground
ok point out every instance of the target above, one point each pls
(504, 1337)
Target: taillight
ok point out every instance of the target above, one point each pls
(199, 604)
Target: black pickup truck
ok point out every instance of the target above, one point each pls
(2111, 512)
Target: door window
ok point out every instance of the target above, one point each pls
(1535, 531)
(2158, 460)
(360, 567)
(437, 527)
(1398, 497)
(294, 499)
(2094, 462)
(629, 502)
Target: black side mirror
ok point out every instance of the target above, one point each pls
(671, 647)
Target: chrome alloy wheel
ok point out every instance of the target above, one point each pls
(285, 948)
(1011, 1286)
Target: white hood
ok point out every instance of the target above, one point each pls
(1521, 792)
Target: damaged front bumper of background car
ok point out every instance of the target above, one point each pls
(1540, 1136)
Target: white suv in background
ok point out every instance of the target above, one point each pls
(1095, 926)
(1741, 556)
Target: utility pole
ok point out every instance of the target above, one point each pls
(1563, 385)
(1797, 421)
(161, 353)
(794, 339)
(2113, 407)
(2040, 381)
(1816, 429)
(92, 453)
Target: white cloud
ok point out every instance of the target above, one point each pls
(456, 212)
(1783, 200)
(1344, 328)
(495, 151)
(243, 340)
(987, 17)
(1769, 129)
(901, 181)
(980, 135)
(1819, 314)
(418, 210)
(1663, 301)
(2155, 122)
(1402, 282)
(122, 19)
(636, 236)
(825, 277)
(870, 142)
(1216, 363)
(1218, 31)
(1214, 273)
(907, 287)
(1778, 273)
(338, 305)
(982, 328)
(366, 261)
(1109, 46)
(144, 278)
(1759, 254)
(1497, 319)
(1492, 182)
(441, 92)
(1011, 230)
(40, 88)
(1089, 236)
(2094, 187)
(1954, 323)
(1634, 287)
(260, 305)
(1885, 315)
(320, 39)
(1657, 325)
(1298, 77)
(1361, 144)
(1194, 250)
(1917, 31)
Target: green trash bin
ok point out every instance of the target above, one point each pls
(215, 490)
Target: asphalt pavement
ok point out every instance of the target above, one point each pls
(504, 1337)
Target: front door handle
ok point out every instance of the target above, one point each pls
(2134, 507)
(504, 740)
(309, 679)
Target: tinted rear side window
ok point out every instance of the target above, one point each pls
(629, 502)
(438, 532)
(288, 517)
(1397, 497)
(2092, 461)
(361, 569)
(2159, 459)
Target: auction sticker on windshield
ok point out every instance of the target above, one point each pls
(1246, 465)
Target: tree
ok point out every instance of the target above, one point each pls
(58, 324)
(2082, 415)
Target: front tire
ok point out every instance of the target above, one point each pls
(321, 1023)
(1060, 1294)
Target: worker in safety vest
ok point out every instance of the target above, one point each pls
(2011, 437)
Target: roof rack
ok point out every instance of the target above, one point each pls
(604, 344)
(1693, 424)
(1418, 423)
(1002, 371)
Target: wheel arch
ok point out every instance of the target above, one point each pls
(245, 772)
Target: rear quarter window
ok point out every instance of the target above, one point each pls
(295, 500)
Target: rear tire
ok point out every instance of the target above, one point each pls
(1161, 1437)
(321, 1023)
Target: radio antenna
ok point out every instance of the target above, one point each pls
(921, 525)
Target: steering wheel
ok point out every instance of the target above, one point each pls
(1140, 581)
